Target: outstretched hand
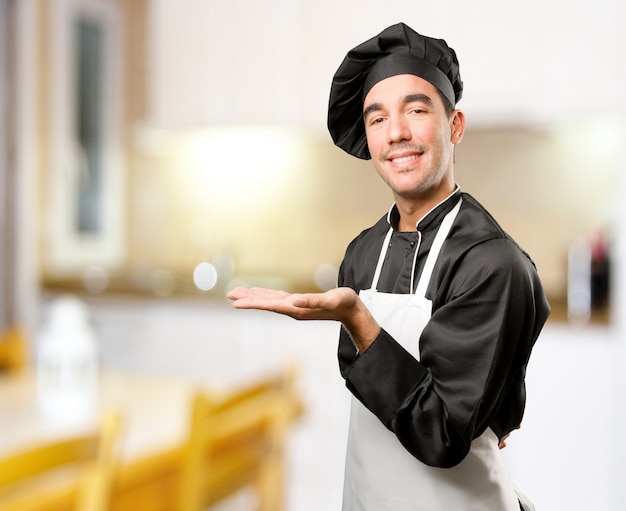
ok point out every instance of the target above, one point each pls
(338, 304)
(333, 305)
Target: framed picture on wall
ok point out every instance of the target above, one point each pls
(85, 171)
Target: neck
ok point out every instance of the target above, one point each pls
(412, 210)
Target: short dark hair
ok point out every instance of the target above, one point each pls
(448, 107)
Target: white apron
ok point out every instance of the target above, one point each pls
(380, 474)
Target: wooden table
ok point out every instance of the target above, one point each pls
(155, 412)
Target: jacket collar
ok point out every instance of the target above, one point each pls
(429, 220)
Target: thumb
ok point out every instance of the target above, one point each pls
(300, 301)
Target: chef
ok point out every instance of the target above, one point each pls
(439, 306)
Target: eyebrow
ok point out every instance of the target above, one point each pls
(410, 98)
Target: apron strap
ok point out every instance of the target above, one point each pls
(381, 258)
(442, 234)
(440, 237)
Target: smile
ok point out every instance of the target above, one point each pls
(405, 159)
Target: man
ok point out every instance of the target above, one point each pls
(440, 307)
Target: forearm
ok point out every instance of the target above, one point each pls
(361, 326)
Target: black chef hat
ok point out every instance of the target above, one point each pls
(396, 50)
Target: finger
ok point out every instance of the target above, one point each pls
(261, 298)
(269, 294)
(238, 292)
(255, 292)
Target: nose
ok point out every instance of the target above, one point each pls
(398, 129)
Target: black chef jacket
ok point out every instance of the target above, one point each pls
(488, 307)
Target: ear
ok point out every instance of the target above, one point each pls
(457, 126)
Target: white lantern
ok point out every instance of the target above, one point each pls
(67, 363)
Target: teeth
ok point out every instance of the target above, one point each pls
(405, 159)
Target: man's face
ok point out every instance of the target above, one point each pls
(410, 137)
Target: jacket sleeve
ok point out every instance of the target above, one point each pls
(477, 341)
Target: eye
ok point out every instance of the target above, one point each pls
(373, 121)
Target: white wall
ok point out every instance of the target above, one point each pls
(569, 453)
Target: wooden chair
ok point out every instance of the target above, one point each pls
(237, 442)
(13, 352)
(81, 465)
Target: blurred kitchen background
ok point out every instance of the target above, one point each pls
(155, 153)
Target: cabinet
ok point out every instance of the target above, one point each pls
(272, 62)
